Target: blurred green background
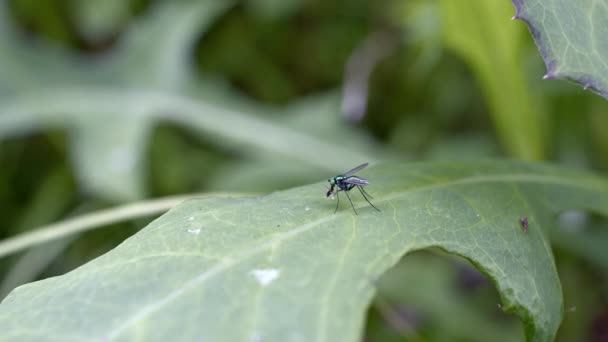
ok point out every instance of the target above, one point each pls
(108, 102)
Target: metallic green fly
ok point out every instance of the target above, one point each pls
(346, 182)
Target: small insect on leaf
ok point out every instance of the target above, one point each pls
(346, 182)
(523, 221)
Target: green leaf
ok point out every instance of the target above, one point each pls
(492, 46)
(118, 143)
(109, 106)
(285, 267)
(108, 141)
(571, 37)
(97, 20)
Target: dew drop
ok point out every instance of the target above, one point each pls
(191, 218)
(307, 208)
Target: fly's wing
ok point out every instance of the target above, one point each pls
(355, 170)
(356, 181)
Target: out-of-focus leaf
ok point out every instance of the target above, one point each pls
(108, 140)
(317, 116)
(266, 175)
(464, 147)
(110, 105)
(422, 20)
(571, 37)
(97, 20)
(117, 143)
(285, 267)
(480, 32)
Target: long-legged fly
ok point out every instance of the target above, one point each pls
(346, 182)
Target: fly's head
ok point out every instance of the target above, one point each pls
(332, 184)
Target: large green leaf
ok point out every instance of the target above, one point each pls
(284, 267)
(571, 37)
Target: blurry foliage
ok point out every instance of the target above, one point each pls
(290, 56)
(440, 94)
(493, 51)
(441, 297)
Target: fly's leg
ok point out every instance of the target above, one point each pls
(363, 193)
(351, 202)
(337, 204)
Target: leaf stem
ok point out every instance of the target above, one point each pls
(93, 220)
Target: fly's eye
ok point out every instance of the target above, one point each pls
(331, 181)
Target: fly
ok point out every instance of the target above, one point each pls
(346, 182)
